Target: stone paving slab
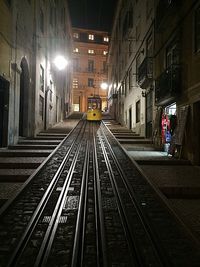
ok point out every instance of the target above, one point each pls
(22, 160)
(189, 212)
(40, 142)
(187, 176)
(15, 175)
(7, 190)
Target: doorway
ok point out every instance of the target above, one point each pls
(149, 114)
(24, 99)
(196, 133)
(130, 118)
(4, 105)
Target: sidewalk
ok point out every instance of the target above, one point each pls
(176, 179)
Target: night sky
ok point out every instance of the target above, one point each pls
(92, 14)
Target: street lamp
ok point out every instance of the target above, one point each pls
(60, 62)
(104, 86)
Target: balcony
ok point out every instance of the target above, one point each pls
(145, 72)
(165, 9)
(168, 85)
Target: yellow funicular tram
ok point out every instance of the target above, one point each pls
(94, 112)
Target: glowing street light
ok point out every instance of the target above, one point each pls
(104, 86)
(60, 62)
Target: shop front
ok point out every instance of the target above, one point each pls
(168, 125)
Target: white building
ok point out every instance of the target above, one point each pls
(37, 95)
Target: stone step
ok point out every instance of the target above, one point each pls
(24, 153)
(32, 146)
(45, 137)
(134, 141)
(15, 175)
(51, 134)
(128, 136)
(20, 162)
(164, 161)
(181, 192)
(39, 142)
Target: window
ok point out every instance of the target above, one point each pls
(104, 66)
(105, 53)
(90, 51)
(138, 62)
(41, 21)
(75, 64)
(91, 65)
(51, 91)
(172, 54)
(76, 50)
(91, 37)
(76, 35)
(137, 111)
(75, 83)
(41, 106)
(41, 78)
(138, 29)
(130, 79)
(51, 16)
(149, 46)
(105, 39)
(9, 2)
(90, 82)
(197, 30)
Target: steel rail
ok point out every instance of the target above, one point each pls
(136, 261)
(9, 203)
(99, 216)
(51, 230)
(81, 217)
(39, 210)
(149, 231)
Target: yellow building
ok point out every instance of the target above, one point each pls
(89, 66)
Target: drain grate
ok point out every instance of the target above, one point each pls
(47, 219)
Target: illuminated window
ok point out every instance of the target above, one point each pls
(76, 35)
(105, 53)
(75, 83)
(105, 39)
(91, 37)
(76, 50)
(90, 51)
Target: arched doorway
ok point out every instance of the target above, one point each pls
(24, 98)
(4, 106)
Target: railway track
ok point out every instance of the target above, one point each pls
(88, 205)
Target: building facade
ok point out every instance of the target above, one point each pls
(89, 66)
(153, 71)
(131, 41)
(34, 94)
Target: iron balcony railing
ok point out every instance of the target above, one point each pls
(168, 85)
(145, 72)
(164, 9)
